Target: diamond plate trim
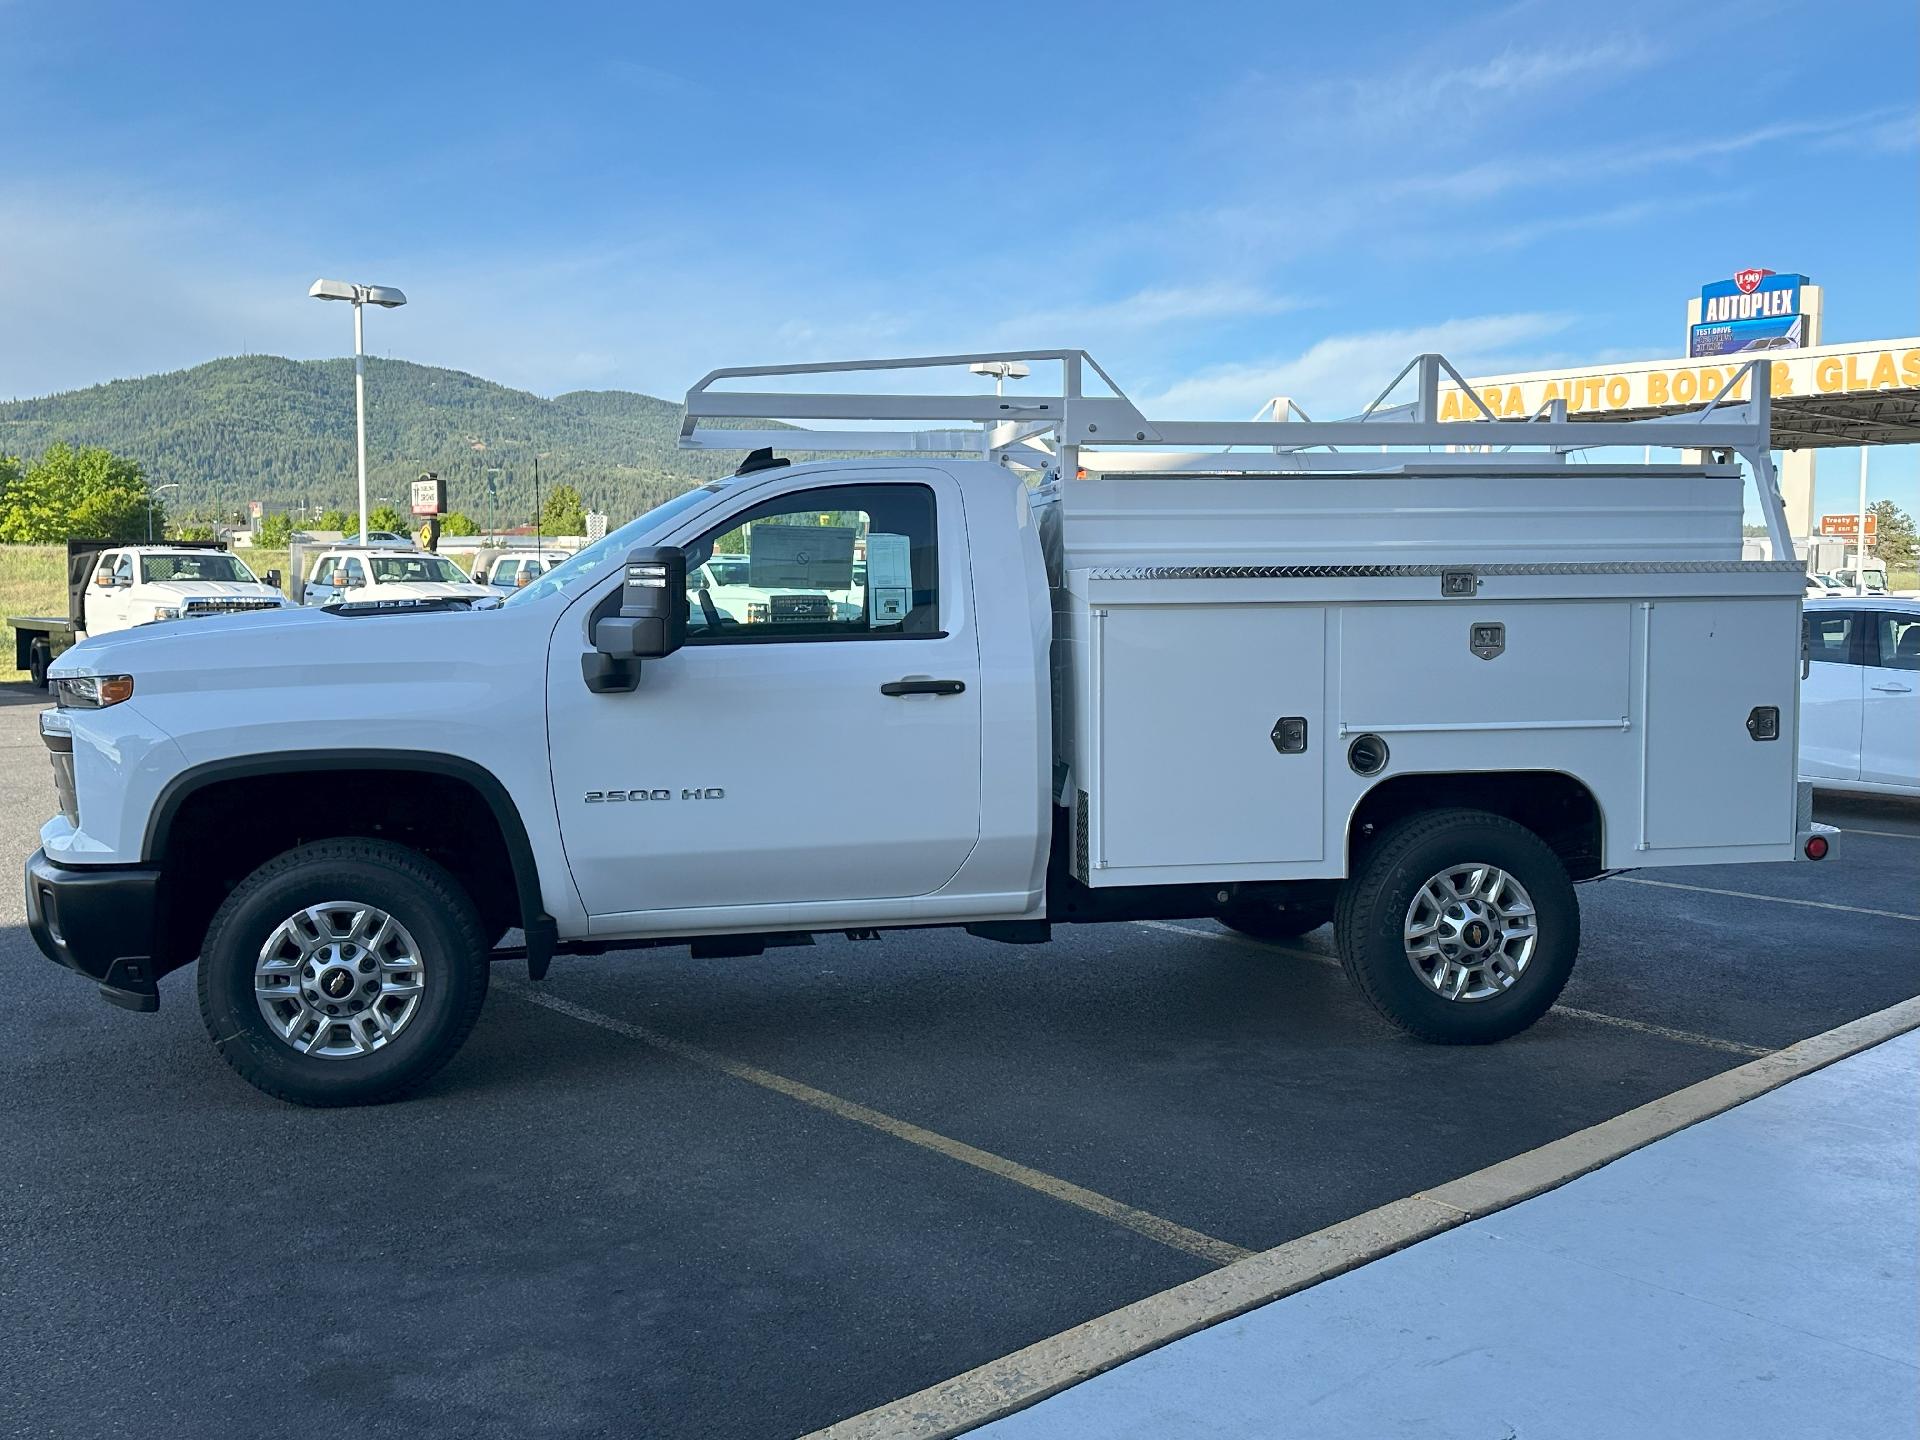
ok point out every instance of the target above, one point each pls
(1383, 572)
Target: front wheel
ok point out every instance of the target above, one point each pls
(1461, 927)
(39, 657)
(345, 972)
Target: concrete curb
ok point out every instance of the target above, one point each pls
(1024, 1378)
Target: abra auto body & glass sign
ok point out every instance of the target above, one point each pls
(1755, 310)
(1653, 385)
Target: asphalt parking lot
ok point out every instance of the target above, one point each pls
(746, 1198)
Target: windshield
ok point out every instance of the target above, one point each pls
(404, 569)
(209, 566)
(613, 548)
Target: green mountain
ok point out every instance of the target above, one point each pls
(257, 427)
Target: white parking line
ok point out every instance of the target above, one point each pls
(1154, 1227)
(1883, 834)
(1775, 899)
(1687, 1037)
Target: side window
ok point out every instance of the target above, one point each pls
(840, 562)
(1899, 637)
(1830, 637)
(356, 573)
(504, 572)
(123, 570)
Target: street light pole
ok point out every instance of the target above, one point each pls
(153, 490)
(360, 410)
(359, 296)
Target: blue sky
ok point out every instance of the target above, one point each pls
(1222, 201)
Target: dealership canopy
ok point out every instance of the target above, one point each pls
(1861, 393)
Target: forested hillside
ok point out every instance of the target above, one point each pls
(258, 427)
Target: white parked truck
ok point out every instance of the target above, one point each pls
(378, 573)
(1414, 679)
(113, 587)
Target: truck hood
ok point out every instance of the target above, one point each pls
(435, 590)
(294, 635)
(207, 589)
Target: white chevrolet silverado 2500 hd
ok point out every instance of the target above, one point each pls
(1418, 695)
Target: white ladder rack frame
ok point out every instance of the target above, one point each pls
(1049, 433)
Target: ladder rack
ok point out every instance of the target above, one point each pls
(1068, 434)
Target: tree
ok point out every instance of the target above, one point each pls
(276, 531)
(563, 512)
(388, 518)
(336, 520)
(1893, 540)
(455, 522)
(191, 527)
(89, 492)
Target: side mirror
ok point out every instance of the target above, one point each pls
(650, 625)
(105, 582)
(272, 579)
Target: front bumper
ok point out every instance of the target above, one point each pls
(100, 923)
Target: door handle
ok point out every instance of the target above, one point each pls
(1894, 689)
(917, 685)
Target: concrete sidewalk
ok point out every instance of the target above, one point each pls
(1753, 1276)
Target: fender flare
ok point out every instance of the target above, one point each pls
(541, 929)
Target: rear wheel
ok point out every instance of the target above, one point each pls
(39, 657)
(1264, 920)
(1461, 927)
(345, 972)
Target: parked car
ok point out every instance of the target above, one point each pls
(511, 569)
(378, 572)
(1860, 700)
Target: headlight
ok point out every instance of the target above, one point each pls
(92, 692)
(166, 612)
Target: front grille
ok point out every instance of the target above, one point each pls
(229, 607)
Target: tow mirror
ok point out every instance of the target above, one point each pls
(104, 581)
(650, 624)
(272, 579)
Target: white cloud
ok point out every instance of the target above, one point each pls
(1150, 309)
(1341, 373)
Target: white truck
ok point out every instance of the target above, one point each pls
(375, 574)
(1413, 678)
(114, 587)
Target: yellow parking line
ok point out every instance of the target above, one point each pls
(1620, 1022)
(1141, 1222)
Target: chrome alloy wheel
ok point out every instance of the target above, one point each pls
(1470, 932)
(339, 979)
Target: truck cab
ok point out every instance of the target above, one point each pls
(1036, 685)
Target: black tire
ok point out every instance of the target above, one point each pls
(39, 657)
(1373, 908)
(1263, 920)
(420, 895)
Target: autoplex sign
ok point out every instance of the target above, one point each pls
(1755, 310)
(1828, 370)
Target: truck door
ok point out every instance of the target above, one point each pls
(1890, 729)
(817, 742)
(1830, 695)
(105, 606)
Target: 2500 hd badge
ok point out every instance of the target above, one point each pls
(599, 797)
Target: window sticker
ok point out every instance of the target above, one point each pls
(800, 557)
(889, 578)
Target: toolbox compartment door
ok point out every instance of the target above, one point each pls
(1187, 699)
